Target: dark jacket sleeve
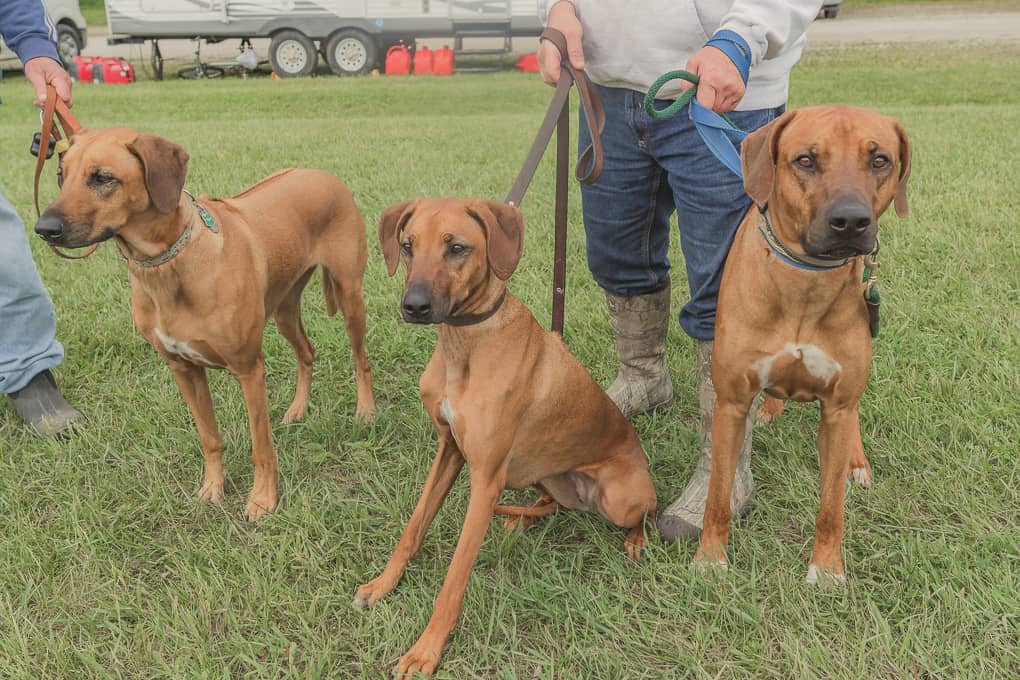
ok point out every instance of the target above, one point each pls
(27, 30)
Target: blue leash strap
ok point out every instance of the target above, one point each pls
(718, 134)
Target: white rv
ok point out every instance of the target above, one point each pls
(352, 35)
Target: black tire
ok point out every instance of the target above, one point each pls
(68, 43)
(192, 73)
(350, 52)
(292, 54)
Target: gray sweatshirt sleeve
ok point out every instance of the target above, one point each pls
(770, 26)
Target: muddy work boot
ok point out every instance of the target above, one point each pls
(683, 519)
(42, 407)
(640, 323)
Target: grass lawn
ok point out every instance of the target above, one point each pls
(109, 567)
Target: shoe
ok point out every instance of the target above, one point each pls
(684, 518)
(639, 324)
(42, 407)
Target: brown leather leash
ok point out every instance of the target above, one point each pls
(589, 164)
(55, 107)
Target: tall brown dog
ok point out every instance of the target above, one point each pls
(505, 396)
(826, 175)
(206, 274)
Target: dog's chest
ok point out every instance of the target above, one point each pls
(191, 351)
(797, 371)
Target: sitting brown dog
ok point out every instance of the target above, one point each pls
(207, 273)
(792, 317)
(504, 395)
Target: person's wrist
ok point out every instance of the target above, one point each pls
(733, 45)
(570, 6)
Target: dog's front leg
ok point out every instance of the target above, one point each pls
(444, 471)
(728, 428)
(191, 381)
(263, 496)
(423, 657)
(839, 431)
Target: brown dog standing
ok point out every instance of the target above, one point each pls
(826, 175)
(504, 395)
(205, 275)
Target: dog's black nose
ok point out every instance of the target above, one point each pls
(50, 226)
(417, 304)
(849, 218)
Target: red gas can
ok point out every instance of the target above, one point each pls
(398, 61)
(442, 61)
(112, 70)
(422, 61)
(528, 63)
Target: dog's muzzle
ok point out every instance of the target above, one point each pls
(51, 227)
(417, 306)
(848, 228)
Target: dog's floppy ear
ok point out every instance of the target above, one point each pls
(901, 188)
(391, 223)
(758, 154)
(504, 234)
(165, 165)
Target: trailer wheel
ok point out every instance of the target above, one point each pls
(350, 52)
(68, 43)
(292, 54)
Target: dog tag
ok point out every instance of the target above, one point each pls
(872, 300)
(37, 144)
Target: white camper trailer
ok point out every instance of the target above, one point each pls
(351, 34)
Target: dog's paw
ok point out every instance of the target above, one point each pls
(861, 476)
(703, 562)
(294, 414)
(211, 491)
(373, 591)
(770, 409)
(364, 415)
(817, 575)
(422, 658)
(259, 506)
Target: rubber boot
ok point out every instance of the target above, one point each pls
(42, 407)
(639, 324)
(685, 516)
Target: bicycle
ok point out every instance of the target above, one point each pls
(200, 70)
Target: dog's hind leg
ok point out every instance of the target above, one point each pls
(626, 498)
(345, 293)
(192, 382)
(288, 320)
(860, 469)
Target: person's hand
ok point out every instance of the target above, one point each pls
(43, 71)
(720, 87)
(563, 19)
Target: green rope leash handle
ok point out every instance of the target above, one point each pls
(680, 102)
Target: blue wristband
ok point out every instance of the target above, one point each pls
(734, 47)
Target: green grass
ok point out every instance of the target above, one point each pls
(109, 567)
(94, 12)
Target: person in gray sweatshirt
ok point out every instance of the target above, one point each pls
(742, 51)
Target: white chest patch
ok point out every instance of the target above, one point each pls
(182, 349)
(819, 364)
(449, 415)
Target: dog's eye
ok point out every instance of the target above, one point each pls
(457, 249)
(805, 161)
(101, 178)
(880, 162)
(405, 247)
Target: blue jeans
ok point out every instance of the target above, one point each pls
(27, 320)
(651, 169)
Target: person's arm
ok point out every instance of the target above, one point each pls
(769, 27)
(751, 31)
(29, 32)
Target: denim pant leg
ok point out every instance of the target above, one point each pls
(710, 202)
(27, 320)
(626, 211)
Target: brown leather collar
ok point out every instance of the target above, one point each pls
(472, 319)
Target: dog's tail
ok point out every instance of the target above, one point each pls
(331, 290)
